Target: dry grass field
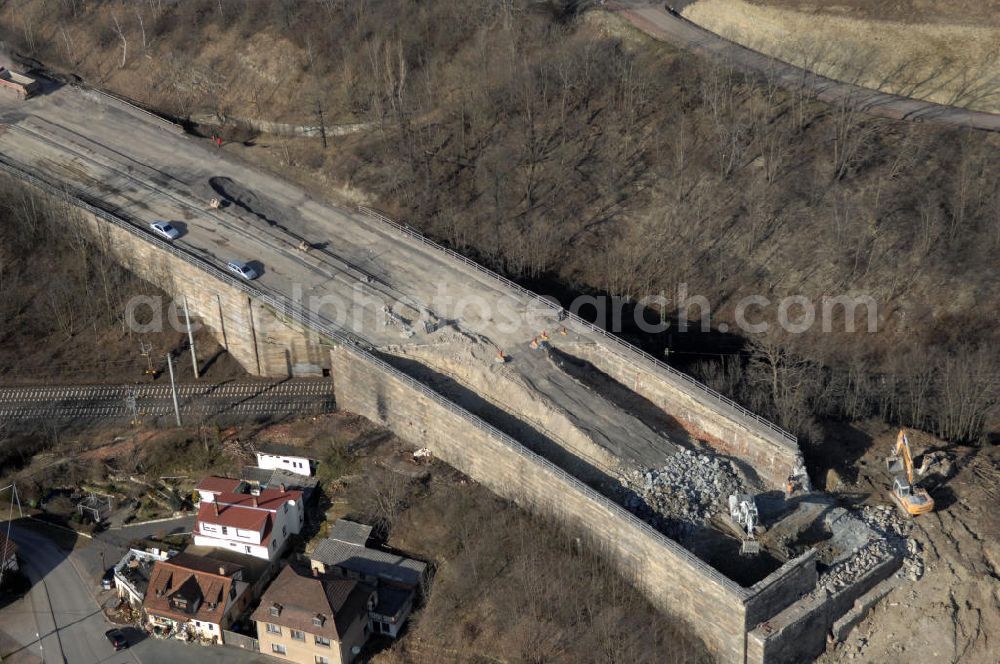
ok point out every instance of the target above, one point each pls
(944, 52)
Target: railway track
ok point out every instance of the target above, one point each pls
(111, 402)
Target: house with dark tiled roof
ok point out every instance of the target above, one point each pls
(194, 597)
(345, 553)
(257, 522)
(313, 618)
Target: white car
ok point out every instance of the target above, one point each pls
(165, 230)
(241, 269)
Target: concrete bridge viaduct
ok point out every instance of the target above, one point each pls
(390, 350)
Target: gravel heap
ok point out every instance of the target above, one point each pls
(687, 491)
(887, 520)
(848, 571)
(896, 528)
(889, 537)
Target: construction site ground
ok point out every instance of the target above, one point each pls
(952, 613)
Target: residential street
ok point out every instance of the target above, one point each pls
(63, 608)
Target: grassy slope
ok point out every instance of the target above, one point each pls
(948, 56)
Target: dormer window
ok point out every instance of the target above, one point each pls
(318, 620)
(275, 610)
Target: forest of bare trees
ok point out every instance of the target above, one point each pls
(60, 286)
(554, 146)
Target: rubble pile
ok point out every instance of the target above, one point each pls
(689, 489)
(887, 520)
(850, 570)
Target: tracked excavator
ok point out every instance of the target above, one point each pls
(912, 499)
(743, 510)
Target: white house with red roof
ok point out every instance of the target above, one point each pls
(234, 516)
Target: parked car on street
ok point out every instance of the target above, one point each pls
(165, 230)
(108, 580)
(117, 639)
(242, 270)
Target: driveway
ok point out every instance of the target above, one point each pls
(62, 608)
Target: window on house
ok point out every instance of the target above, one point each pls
(318, 621)
(225, 530)
(278, 648)
(273, 629)
(320, 641)
(322, 660)
(275, 611)
(247, 548)
(211, 627)
(298, 636)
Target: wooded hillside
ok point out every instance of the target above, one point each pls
(557, 146)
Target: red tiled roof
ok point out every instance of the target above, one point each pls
(269, 499)
(218, 485)
(233, 517)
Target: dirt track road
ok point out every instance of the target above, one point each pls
(655, 20)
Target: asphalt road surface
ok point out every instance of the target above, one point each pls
(153, 401)
(654, 19)
(63, 611)
(62, 607)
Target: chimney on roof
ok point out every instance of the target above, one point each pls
(315, 571)
(222, 570)
(282, 486)
(215, 504)
(255, 501)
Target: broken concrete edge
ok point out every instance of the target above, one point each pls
(802, 560)
(721, 405)
(803, 629)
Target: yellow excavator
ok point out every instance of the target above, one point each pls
(910, 498)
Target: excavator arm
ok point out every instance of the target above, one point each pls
(903, 450)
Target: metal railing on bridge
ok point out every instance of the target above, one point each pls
(622, 348)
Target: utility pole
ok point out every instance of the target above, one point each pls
(173, 387)
(194, 357)
(132, 402)
(145, 350)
